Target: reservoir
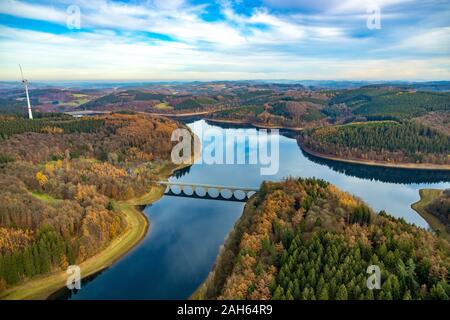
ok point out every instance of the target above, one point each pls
(185, 234)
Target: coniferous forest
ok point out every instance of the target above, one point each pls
(404, 142)
(305, 239)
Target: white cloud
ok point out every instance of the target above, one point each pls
(435, 41)
(334, 6)
(32, 11)
(179, 20)
(94, 56)
(258, 44)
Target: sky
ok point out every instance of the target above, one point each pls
(163, 40)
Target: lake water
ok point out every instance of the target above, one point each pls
(185, 233)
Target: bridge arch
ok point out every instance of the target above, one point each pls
(240, 195)
(200, 192)
(175, 189)
(213, 192)
(226, 193)
(188, 190)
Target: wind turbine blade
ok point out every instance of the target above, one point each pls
(21, 71)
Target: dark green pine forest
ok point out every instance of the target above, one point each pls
(386, 141)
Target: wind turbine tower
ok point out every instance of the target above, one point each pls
(25, 83)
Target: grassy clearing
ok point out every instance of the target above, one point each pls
(427, 196)
(75, 103)
(163, 106)
(45, 197)
(366, 123)
(79, 95)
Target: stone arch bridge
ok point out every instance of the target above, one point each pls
(207, 191)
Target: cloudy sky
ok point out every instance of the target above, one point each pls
(225, 39)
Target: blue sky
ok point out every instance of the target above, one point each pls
(225, 40)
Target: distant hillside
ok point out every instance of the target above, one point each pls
(12, 107)
(394, 102)
(149, 101)
(284, 103)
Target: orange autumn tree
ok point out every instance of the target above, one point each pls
(41, 179)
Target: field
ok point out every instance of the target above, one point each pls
(163, 106)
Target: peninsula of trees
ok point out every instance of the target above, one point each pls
(434, 207)
(305, 239)
(440, 208)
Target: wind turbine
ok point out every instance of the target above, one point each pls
(25, 83)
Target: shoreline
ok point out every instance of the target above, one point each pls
(374, 163)
(178, 115)
(253, 124)
(42, 287)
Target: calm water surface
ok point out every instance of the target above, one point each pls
(185, 234)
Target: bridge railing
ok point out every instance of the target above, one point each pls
(208, 186)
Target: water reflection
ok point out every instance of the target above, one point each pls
(391, 175)
(66, 294)
(181, 172)
(175, 256)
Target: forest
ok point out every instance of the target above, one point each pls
(60, 180)
(304, 239)
(53, 122)
(302, 108)
(402, 142)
